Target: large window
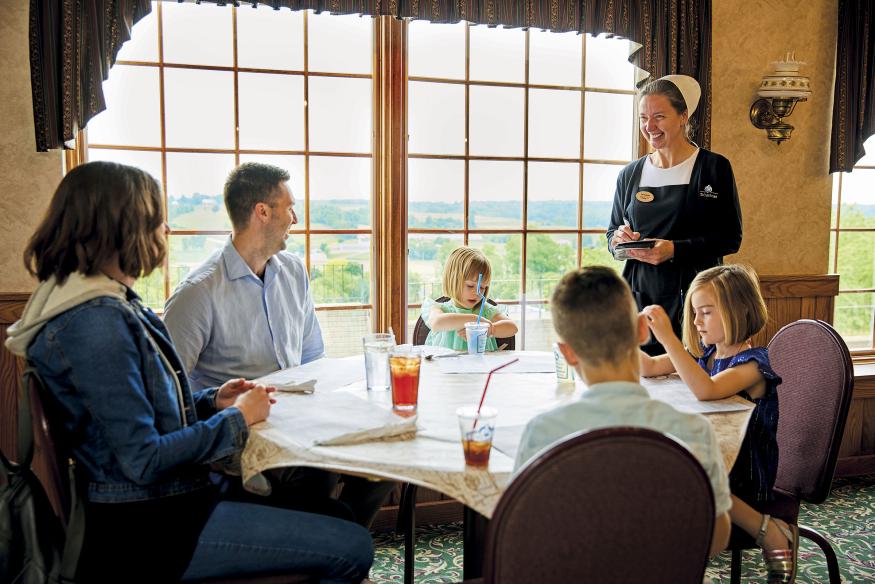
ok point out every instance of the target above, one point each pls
(515, 142)
(202, 88)
(852, 251)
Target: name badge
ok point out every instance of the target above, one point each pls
(644, 196)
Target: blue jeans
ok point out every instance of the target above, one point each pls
(247, 539)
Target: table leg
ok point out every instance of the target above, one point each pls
(407, 521)
(474, 537)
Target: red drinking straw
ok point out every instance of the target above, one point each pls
(486, 386)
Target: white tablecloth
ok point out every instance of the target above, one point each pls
(433, 458)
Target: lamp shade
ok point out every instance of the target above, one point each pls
(785, 81)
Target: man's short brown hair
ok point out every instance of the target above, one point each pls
(100, 209)
(594, 313)
(249, 184)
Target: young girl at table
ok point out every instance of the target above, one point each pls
(464, 267)
(723, 310)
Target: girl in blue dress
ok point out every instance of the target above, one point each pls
(446, 320)
(723, 310)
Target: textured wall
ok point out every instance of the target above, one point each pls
(785, 190)
(28, 178)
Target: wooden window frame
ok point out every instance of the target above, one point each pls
(389, 304)
(835, 231)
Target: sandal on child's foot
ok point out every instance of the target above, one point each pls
(781, 564)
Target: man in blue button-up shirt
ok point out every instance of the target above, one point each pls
(247, 311)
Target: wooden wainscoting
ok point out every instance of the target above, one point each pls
(11, 368)
(790, 298)
(857, 454)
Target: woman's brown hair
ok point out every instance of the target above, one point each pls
(99, 211)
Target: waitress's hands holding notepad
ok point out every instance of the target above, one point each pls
(627, 244)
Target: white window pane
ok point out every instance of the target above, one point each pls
(294, 165)
(197, 34)
(340, 192)
(858, 187)
(436, 118)
(540, 333)
(426, 256)
(835, 198)
(594, 252)
(435, 191)
(199, 108)
(548, 257)
(856, 258)
(270, 39)
(132, 116)
(279, 127)
(340, 44)
(143, 44)
(498, 54)
(554, 58)
(869, 158)
(436, 50)
(554, 123)
(189, 251)
(342, 331)
(853, 319)
(340, 114)
(297, 245)
(608, 127)
(504, 252)
(607, 64)
(496, 121)
(340, 268)
(194, 190)
(553, 194)
(599, 186)
(151, 289)
(495, 195)
(144, 160)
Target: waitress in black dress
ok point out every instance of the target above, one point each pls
(680, 196)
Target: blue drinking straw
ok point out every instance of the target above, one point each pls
(482, 298)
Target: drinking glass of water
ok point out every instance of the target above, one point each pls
(377, 347)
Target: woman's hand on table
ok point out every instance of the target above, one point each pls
(228, 392)
(662, 251)
(255, 403)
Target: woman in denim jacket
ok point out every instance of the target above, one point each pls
(144, 440)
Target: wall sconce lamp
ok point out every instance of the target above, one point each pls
(779, 93)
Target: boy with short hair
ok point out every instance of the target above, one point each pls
(600, 330)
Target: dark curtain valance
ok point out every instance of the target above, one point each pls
(853, 118)
(74, 43)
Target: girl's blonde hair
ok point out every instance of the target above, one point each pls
(741, 305)
(465, 263)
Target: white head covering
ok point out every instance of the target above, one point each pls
(689, 88)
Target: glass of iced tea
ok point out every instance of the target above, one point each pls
(477, 431)
(404, 362)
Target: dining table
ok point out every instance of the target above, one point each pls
(429, 453)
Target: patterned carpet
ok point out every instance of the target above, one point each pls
(847, 519)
